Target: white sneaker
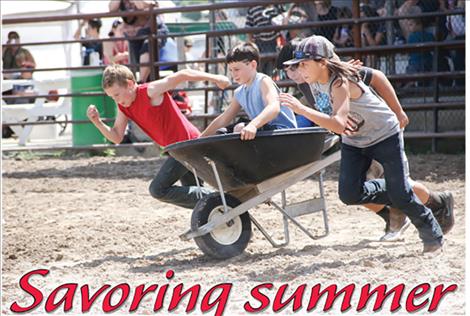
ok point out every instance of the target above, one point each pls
(397, 234)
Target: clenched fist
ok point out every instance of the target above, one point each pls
(93, 113)
(248, 132)
(222, 82)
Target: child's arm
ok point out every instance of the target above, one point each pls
(223, 119)
(384, 88)
(269, 113)
(157, 88)
(340, 103)
(79, 30)
(114, 134)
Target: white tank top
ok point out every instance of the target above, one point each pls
(377, 121)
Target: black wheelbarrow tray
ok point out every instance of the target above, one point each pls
(248, 173)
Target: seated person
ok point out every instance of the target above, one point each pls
(17, 57)
(257, 95)
(116, 52)
(92, 31)
(419, 61)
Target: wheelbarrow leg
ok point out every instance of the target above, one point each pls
(322, 196)
(293, 220)
(284, 218)
(219, 184)
(199, 190)
(266, 234)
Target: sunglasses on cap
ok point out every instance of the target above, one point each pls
(299, 54)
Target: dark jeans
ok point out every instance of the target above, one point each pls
(162, 186)
(394, 190)
(139, 47)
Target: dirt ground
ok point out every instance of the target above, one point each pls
(92, 221)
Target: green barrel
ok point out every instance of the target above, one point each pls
(86, 81)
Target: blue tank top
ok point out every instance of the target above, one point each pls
(251, 100)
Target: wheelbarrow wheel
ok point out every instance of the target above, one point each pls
(229, 239)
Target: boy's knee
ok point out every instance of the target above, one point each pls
(401, 200)
(348, 196)
(157, 191)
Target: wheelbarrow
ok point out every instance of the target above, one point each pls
(249, 173)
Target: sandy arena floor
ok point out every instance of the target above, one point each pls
(92, 221)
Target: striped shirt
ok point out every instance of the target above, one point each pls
(256, 17)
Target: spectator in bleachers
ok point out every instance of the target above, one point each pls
(456, 26)
(407, 8)
(17, 57)
(138, 26)
(90, 50)
(188, 56)
(116, 52)
(325, 12)
(372, 34)
(266, 41)
(419, 61)
(343, 33)
(296, 15)
(13, 58)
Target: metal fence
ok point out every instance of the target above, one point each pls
(419, 48)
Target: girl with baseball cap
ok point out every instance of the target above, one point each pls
(372, 133)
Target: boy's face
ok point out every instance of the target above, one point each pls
(310, 70)
(293, 73)
(123, 95)
(242, 71)
(413, 26)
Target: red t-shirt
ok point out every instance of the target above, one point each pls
(164, 123)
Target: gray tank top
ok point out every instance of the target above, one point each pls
(377, 122)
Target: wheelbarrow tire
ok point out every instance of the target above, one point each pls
(216, 244)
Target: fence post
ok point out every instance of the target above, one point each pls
(153, 51)
(390, 37)
(356, 14)
(206, 92)
(435, 68)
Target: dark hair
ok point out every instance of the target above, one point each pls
(369, 11)
(287, 53)
(13, 34)
(95, 23)
(344, 13)
(284, 55)
(116, 23)
(243, 52)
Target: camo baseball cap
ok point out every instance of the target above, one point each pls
(314, 47)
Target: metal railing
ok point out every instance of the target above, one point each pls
(357, 51)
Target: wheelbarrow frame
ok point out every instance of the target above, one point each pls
(264, 191)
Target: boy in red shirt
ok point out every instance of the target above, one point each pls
(151, 107)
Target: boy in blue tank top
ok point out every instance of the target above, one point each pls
(257, 94)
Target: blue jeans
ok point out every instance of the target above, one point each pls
(394, 190)
(162, 186)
